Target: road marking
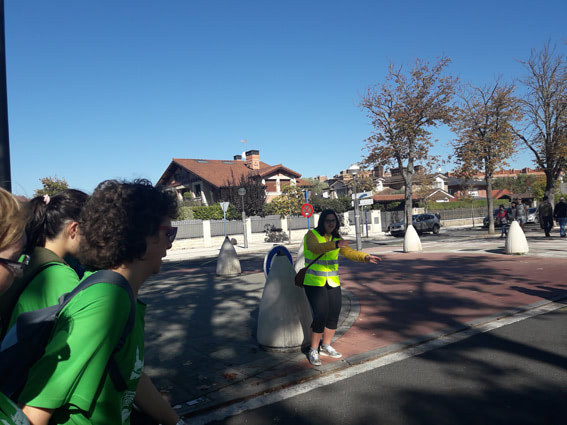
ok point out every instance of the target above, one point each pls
(388, 359)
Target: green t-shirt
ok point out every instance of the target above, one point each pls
(71, 376)
(45, 289)
(10, 414)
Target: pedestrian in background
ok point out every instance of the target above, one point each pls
(322, 285)
(560, 215)
(546, 216)
(502, 220)
(12, 264)
(521, 215)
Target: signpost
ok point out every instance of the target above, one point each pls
(224, 206)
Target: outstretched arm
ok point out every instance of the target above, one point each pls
(372, 259)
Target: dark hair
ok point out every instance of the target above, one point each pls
(501, 207)
(50, 214)
(321, 225)
(117, 219)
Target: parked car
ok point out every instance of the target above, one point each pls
(533, 215)
(421, 222)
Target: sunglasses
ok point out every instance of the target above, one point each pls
(170, 232)
(17, 267)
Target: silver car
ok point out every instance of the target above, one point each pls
(421, 222)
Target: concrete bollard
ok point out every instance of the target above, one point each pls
(300, 259)
(412, 243)
(516, 242)
(228, 263)
(284, 318)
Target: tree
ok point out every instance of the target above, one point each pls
(288, 203)
(317, 188)
(544, 130)
(364, 183)
(51, 186)
(253, 200)
(402, 110)
(485, 133)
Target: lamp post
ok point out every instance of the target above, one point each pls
(242, 192)
(354, 169)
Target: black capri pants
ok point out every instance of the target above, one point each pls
(325, 303)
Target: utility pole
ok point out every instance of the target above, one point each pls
(5, 172)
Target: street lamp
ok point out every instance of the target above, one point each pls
(242, 192)
(353, 170)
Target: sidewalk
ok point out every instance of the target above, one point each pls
(200, 329)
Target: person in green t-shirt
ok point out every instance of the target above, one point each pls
(125, 228)
(53, 235)
(12, 242)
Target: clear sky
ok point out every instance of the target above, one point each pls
(101, 89)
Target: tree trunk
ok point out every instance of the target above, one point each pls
(489, 204)
(550, 186)
(408, 179)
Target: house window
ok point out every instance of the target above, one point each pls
(197, 190)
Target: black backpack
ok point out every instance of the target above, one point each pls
(25, 342)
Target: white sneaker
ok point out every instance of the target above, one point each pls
(327, 350)
(314, 357)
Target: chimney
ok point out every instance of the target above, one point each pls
(379, 171)
(238, 157)
(253, 159)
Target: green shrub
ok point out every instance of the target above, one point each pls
(185, 213)
(214, 212)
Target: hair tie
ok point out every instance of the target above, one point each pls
(46, 199)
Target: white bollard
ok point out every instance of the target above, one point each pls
(228, 263)
(284, 317)
(516, 242)
(412, 243)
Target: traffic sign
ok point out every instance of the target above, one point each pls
(366, 201)
(307, 210)
(224, 206)
(362, 195)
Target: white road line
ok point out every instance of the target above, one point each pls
(349, 372)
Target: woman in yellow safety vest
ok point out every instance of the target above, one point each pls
(321, 283)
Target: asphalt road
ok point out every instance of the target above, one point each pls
(516, 374)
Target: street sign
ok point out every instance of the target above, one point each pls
(307, 210)
(363, 194)
(364, 201)
(224, 206)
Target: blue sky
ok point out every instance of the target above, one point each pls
(105, 89)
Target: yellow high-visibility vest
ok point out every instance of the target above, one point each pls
(325, 269)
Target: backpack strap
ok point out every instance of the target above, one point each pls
(113, 278)
(41, 259)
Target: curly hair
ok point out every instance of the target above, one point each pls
(51, 214)
(117, 219)
(14, 219)
(321, 224)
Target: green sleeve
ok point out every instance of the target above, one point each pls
(10, 414)
(45, 289)
(73, 368)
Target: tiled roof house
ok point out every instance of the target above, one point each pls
(203, 178)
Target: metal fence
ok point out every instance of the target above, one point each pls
(189, 229)
(233, 227)
(389, 217)
(259, 223)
